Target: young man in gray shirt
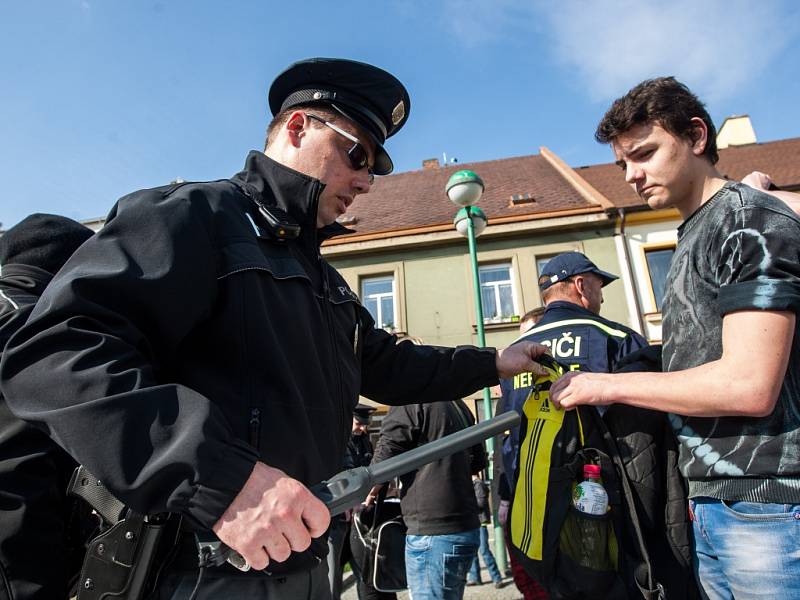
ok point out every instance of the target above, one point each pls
(731, 380)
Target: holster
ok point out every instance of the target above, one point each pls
(119, 561)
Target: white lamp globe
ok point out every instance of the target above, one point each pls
(479, 221)
(464, 188)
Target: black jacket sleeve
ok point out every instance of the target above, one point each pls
(88, 364)
(396, 374)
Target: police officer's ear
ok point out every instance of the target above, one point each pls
(296, 127)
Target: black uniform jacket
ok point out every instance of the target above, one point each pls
(38, 552)
(179, 345)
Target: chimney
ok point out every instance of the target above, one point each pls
(430, 163)
(736, 131)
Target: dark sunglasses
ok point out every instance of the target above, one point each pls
(357, 154)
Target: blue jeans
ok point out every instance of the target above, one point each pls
(488, 559)
(436, 565)
(746, 549)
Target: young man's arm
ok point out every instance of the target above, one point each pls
(745, 381)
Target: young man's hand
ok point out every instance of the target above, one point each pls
(520, 358)
(272, 515)
(577, 388)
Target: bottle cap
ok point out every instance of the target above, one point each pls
(591, 471)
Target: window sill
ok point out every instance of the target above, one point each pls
(502, 326)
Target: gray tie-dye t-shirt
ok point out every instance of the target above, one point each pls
(739, 251)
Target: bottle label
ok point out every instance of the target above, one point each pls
(590, 498)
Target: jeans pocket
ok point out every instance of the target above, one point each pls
(418, 543)
(456, 564)
(762, 511)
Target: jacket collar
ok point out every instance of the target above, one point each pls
(293, 192)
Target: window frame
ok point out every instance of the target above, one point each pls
(385, 277)
(354, 276)
(644, 248)
(512, 280)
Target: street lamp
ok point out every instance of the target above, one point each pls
(465, 188)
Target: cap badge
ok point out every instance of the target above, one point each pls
(398, 112)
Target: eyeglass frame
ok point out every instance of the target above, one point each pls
(356, 144)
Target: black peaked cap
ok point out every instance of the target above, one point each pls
(365, 94)
(44, 241)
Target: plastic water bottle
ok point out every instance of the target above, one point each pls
(589, 496)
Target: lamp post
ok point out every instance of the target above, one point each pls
(465, 188)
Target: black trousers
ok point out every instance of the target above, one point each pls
(216, 584)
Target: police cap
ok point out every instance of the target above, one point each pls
(362, 412)
(568, 264)
(367, 95)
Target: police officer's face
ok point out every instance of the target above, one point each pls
(322, 154)
(359, 428)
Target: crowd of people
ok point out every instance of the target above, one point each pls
(202, 359)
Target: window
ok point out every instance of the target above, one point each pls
(541, 261)
(377, 294)
(497, 293)
(658, 260)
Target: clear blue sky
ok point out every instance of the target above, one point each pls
(102, 97)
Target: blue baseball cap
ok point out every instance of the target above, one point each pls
(568, 264)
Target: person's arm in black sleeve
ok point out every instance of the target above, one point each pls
(393, 373)
(86, 365)
(400, 431)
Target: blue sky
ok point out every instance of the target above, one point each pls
(102, 97)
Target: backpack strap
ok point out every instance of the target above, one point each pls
(649, 588)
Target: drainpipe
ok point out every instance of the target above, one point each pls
(628, 279)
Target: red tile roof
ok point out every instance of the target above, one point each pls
(416, 199)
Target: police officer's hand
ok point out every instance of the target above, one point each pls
(520, 358)
(576, 388)
(272, 515)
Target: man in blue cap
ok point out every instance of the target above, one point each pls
(572, 328)
(202, 332)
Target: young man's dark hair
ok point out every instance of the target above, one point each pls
(664, 100)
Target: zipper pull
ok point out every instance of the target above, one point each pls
(255, 427)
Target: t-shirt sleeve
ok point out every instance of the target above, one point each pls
(759, 261)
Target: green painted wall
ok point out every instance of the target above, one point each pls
(439, 305)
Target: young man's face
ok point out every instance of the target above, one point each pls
(324, 157)
(658, 165)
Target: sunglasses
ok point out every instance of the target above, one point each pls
(357, 154)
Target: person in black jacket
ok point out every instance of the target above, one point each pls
(219, 353)
(437, 501)
(40, 550)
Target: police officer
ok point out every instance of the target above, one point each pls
(202, 332)
(40, 549)
(572, 328)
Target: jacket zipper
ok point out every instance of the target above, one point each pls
(255, 428)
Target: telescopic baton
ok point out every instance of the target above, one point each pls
(349, 488)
